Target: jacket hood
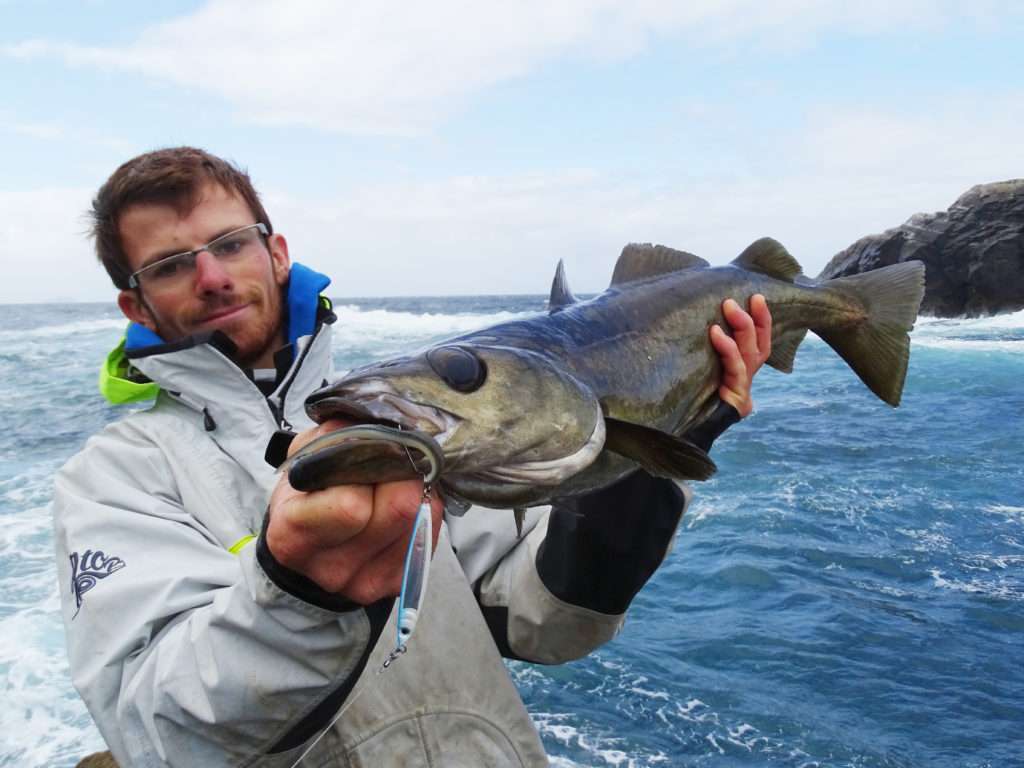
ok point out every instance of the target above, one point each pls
(120, 382)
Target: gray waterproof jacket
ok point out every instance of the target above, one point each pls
(191, 646)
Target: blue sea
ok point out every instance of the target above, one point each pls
(847, 591)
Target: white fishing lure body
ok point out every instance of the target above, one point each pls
(416, 572)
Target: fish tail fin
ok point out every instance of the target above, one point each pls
(878, 346)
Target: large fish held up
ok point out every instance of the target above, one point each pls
(572, 400)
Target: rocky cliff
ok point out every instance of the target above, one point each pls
(974, 252)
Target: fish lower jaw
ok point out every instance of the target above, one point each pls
(550, 471)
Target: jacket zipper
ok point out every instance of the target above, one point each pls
(277, 408)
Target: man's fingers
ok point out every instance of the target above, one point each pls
(733, 366)
(743, 329)
(763, 325)
(328, 517)
(380, 575)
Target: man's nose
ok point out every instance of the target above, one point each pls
(211, 275)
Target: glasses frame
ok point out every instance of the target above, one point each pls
(133, 278)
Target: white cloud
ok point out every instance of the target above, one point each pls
(399, 68)
(44, 250)
(847, 174)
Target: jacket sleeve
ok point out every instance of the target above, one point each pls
(185, 653)
(564, 589)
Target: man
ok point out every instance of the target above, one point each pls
(217, 616)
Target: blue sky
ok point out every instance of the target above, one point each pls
(464, 147)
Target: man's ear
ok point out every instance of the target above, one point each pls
(135, 309)
(279, 259)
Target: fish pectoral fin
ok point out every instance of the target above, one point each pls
(561, 296)
(659, 453)
(769, 257)
(640, 261)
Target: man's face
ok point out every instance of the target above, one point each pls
(242, 299)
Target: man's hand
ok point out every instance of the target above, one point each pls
(743, 353)
(350, 539)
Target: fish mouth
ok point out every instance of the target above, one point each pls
(374, 402)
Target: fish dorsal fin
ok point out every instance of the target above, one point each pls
(642, 260)
(561, 296)
(769, 257)
(661, 454)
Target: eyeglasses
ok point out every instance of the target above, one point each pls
(173, 271)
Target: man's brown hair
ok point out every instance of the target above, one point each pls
(174, 177)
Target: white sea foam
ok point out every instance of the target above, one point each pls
(51, 722)
(1008, 320)
(385, 322)
(927, 540)
(989, 587)
(1014, 346)
(1000, 333)
(1015, 513)
(67, 330)
(660, 695)
(637, 697)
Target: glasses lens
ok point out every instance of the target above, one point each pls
(235, 245)
(168, 272)
(172, 272)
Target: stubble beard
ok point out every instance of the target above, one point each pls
(268, 330)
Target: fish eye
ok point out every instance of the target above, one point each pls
(460, 368)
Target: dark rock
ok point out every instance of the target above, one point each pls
(974, 252)
(97, 760)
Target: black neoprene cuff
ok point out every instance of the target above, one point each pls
(601, 548)
(705, 434)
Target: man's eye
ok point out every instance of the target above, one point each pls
(229, 247)
(166, 269)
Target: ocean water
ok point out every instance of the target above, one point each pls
(847, 591)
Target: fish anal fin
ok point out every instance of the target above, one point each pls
(561, 296)
(769, 257)
(784, 348)
(659, 453)
(639, 261)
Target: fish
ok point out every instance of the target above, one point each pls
(573, 399)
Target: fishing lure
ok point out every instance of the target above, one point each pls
(382, 452)
(416, 572)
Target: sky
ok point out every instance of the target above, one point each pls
(452, 147)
